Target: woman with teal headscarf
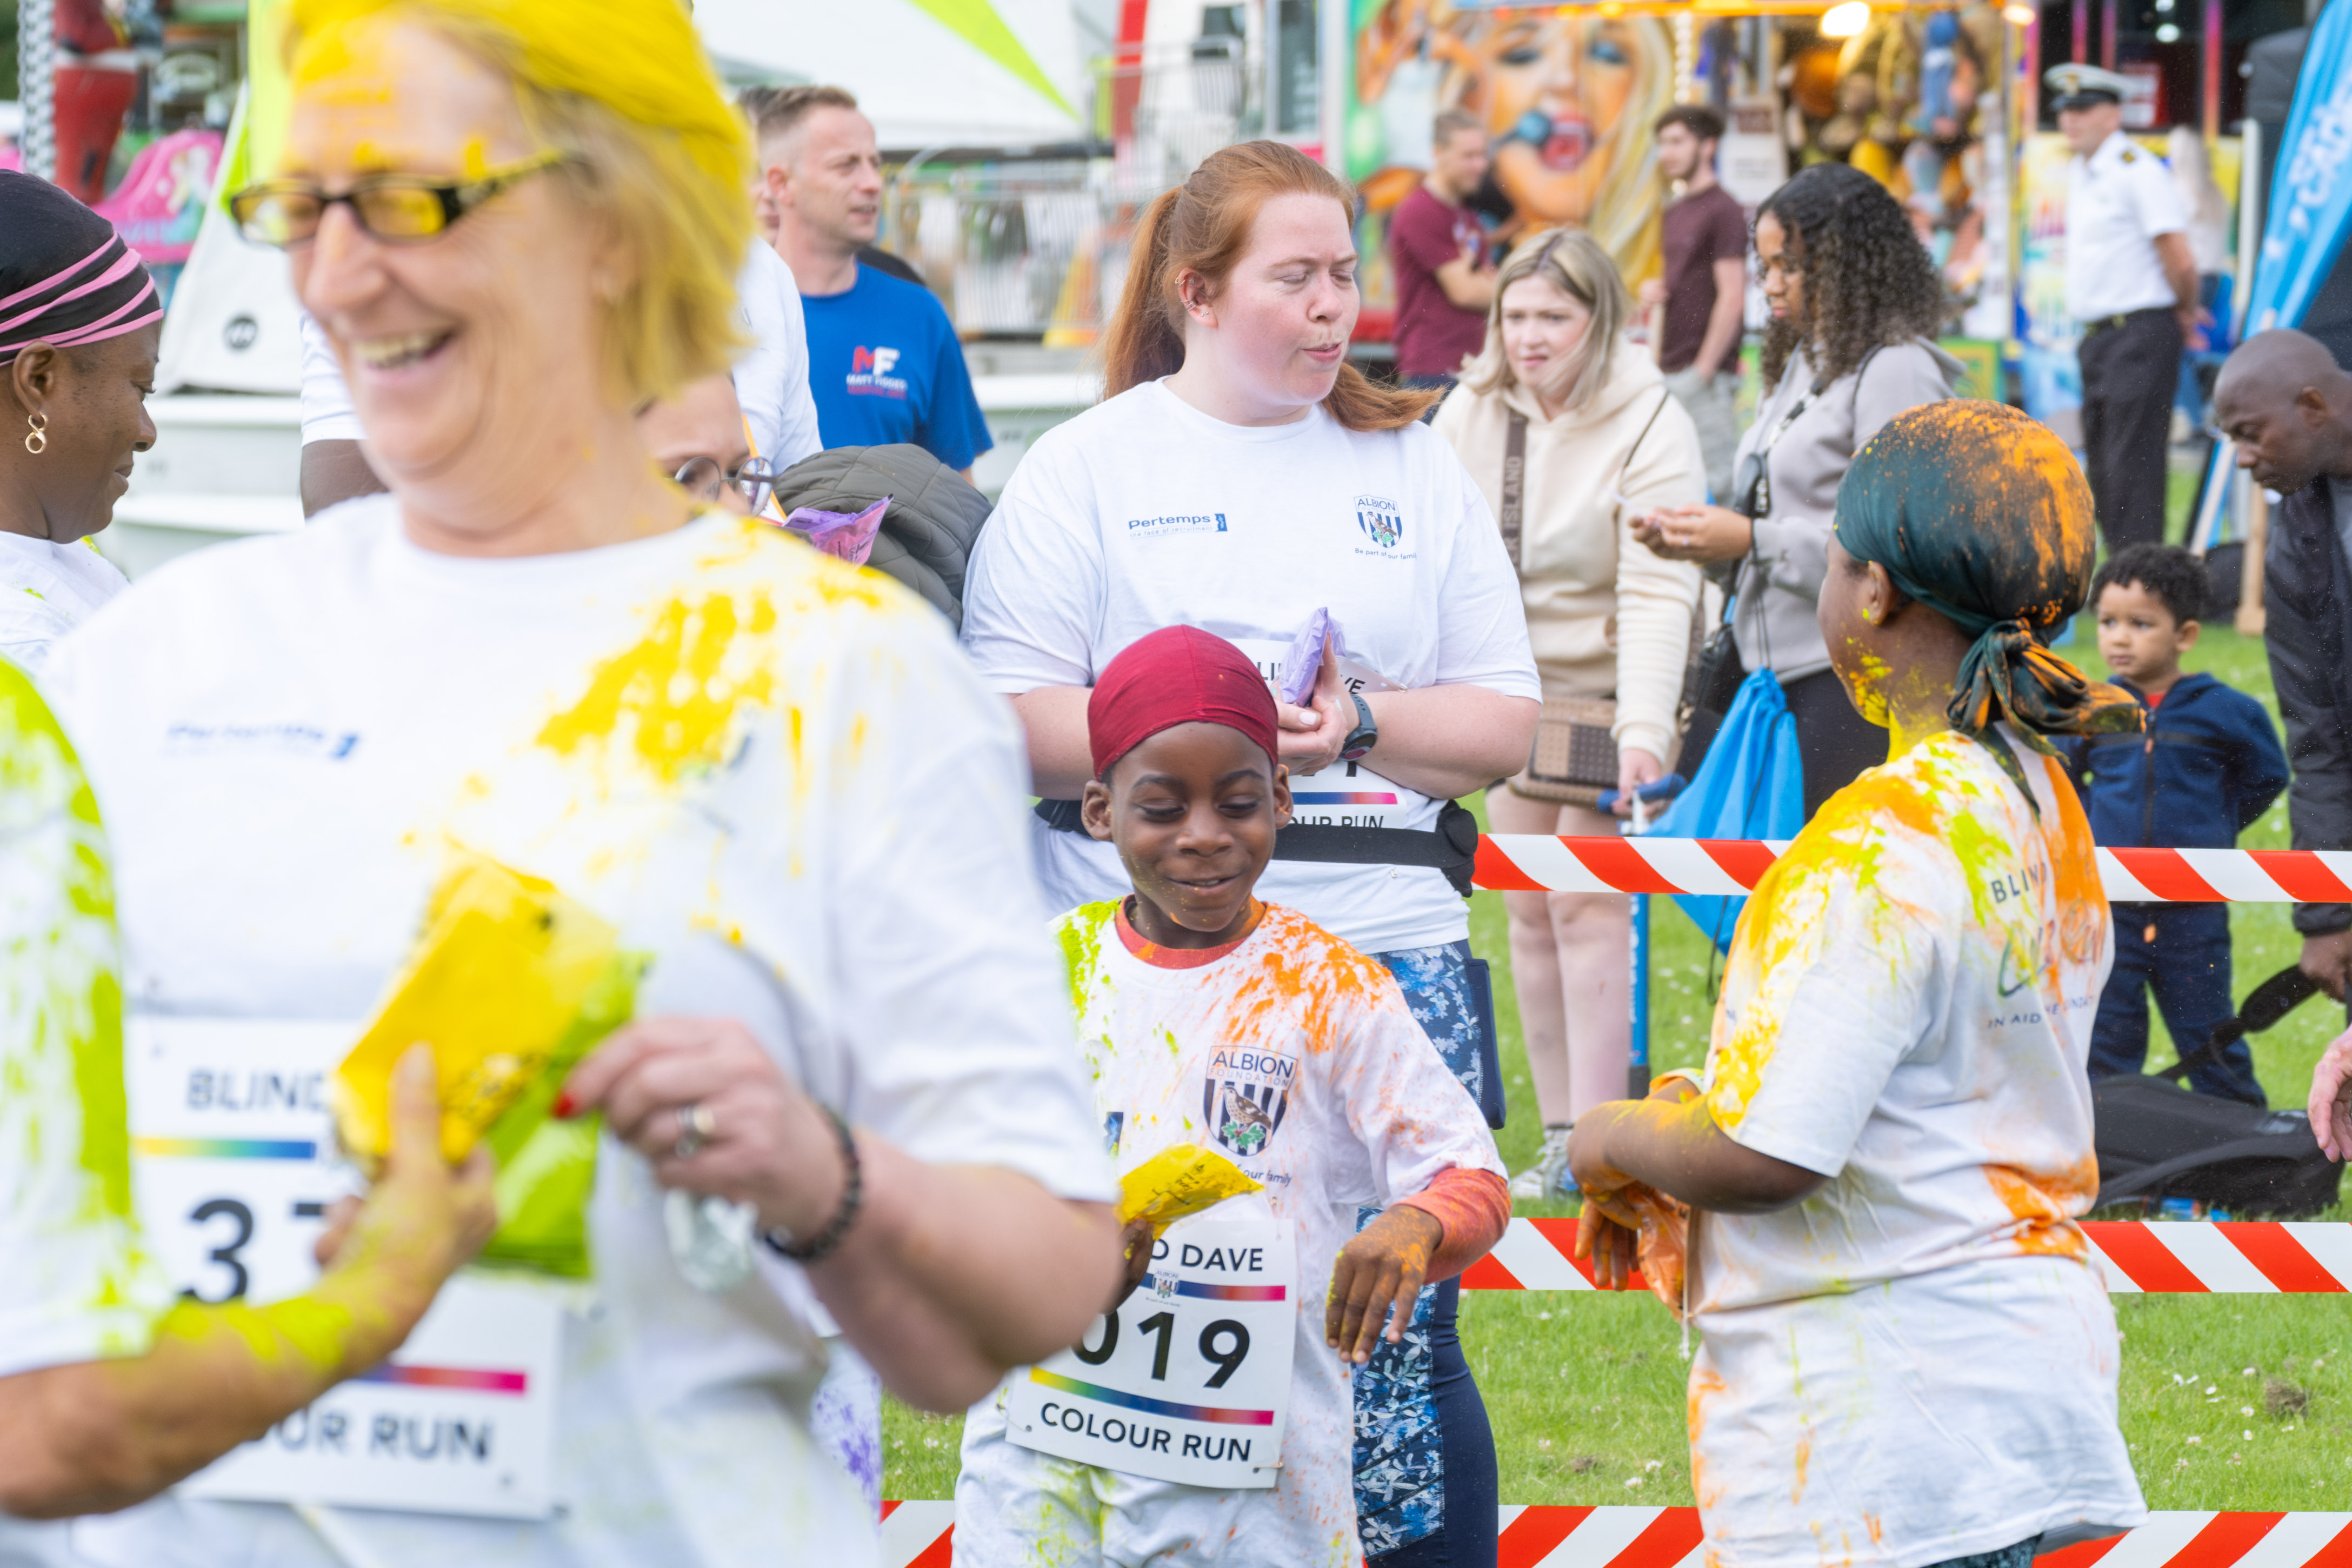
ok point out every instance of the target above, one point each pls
(1892, 1137)
(1978, 514)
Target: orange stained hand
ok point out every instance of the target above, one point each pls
(1381, 1267)
(1609, 1228)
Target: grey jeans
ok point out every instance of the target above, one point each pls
(1710, 401)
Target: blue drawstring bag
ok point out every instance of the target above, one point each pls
(1751, 786)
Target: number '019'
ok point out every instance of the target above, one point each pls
(1224, 1342)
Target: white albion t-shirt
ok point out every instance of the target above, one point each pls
(1326, 1091)
(770, 380)
(1144, 512)
(772, 771)
(47, 589)
(1918, 1363)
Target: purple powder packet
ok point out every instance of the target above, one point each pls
(847, 535)
(1305, 660)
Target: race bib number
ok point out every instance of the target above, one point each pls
(1189, 1380)
(233, 1169)
(1346, 794)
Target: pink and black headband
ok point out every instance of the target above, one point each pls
(66, 276)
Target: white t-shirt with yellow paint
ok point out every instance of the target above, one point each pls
(1918, 1362)
(774, 772)
(76, 1286)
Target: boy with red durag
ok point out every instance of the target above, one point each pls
(1207, 1416)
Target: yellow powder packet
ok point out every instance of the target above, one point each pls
(1179, 1181)
(511, 984)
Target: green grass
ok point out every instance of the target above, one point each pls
(1586, 1392)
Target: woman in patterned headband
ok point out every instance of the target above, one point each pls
(79, 324)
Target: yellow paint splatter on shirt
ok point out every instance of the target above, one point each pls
(67, 1228)
(672, 700)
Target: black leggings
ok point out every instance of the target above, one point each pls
(1466, 1447)
(1835, 742)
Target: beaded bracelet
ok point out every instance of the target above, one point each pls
(853, 1192)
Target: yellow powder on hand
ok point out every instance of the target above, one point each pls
(1178, 1181)
(510, 984)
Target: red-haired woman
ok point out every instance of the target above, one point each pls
(1240, 475)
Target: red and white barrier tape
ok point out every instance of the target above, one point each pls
(1538, 863)
(917, 1535)
(2241, 1257)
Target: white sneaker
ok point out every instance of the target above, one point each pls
(1548, 1178)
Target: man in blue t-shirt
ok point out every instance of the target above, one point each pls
(884, 362)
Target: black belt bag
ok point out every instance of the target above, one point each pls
(1451, 847)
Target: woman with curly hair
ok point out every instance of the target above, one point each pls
(1855, 302)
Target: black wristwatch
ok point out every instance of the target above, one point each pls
(1367, 733)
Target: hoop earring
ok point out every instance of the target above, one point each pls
(38, 441)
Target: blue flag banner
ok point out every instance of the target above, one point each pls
(2311, 196)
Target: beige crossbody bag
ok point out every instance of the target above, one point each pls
(1574, 757)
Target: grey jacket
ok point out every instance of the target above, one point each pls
(1781, 580)
(2308, 597)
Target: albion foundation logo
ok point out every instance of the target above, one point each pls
(1382, 519)
(869, 373)
(1244, 1096)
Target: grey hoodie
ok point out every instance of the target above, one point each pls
(1781, 580)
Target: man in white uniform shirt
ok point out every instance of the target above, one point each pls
(2131, 285)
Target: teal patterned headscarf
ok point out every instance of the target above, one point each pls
(1981, 514)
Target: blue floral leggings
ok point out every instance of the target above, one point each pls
(1425, 1482)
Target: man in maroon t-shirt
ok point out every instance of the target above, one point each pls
(1437, 252)
(1705, 287)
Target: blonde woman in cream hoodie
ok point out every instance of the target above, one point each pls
(1604, 444)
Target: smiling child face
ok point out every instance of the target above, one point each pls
(1193, 810)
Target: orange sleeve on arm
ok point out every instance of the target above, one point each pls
(1474, 1207)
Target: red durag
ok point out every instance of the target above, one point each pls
(1178, 674)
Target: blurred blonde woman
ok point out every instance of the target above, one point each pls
(517, 222)
(1605, 442)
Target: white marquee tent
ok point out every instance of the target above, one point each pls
(930, 73)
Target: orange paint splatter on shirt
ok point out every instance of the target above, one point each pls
(1297, 967)
(2042, 1202)
(1705, 1387)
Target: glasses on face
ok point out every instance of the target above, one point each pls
(705, 479)
(400, 208)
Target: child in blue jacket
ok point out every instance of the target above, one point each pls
(2209, 764)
